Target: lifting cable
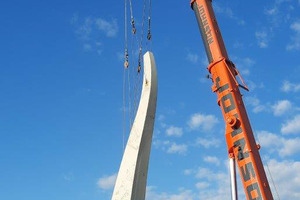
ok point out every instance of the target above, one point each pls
(126, 65)
(273, 182)
(124, 107)
(264, 160)
(132, 18)
(149, 35)
(139, 68)
(141, 38)
(131, 75)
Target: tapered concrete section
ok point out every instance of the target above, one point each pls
(132, 177)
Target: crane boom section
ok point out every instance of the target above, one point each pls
(210, 32)
(239, 136)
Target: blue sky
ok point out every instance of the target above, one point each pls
(61, 106)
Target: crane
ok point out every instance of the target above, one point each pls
(241, 144)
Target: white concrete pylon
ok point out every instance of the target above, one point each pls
(132, 177)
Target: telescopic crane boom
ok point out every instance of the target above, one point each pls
(242, 148)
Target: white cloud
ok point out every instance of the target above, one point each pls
(267, 139)
(290, 87)
(161, 144)
(207, 143)
(120, 56)
(98, 43)
(262, 39)
(243, 64)
(275, 143)
(278, 12)
(255, 103)
(223, 10)
(68, 176)
(85, 29)
(215, 185)
(218, 179)
(170, 147)
(238, 45)
(187, 171)
(89, 29)
(275, 8)
(211, 184)
(182, 194)
(296, 26)
(295, 39)
(161, 117)
(99, 51)
(194, 58)
(248, 61)
(87, 47)
(110, 28)
(272, 11)
(226, 11)
(291, 126)
(74, 18)
(204, 60)
(255, 85)
(205, 173)
(177, 148)
(212, 159)
(107, 182)
(290, 147)
(202, 185)
(205, 122)
(286, 175)
(281, 107)
(174, 131)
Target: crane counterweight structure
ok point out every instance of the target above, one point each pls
(241, 144)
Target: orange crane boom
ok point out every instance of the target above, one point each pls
(241, 144)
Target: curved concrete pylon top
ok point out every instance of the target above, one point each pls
(132, 177)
